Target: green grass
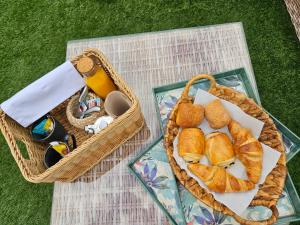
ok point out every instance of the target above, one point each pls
(33, 41)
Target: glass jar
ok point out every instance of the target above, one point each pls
(95, 77)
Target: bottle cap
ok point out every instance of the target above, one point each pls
(85, 66)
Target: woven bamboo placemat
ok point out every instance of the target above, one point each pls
(109, 194)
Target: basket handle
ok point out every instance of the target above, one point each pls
(213, 83)
(14, 149)
(74, 143)
(268, 221)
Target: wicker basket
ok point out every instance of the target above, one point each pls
(91, 148)
(81, 123)
(270, 190)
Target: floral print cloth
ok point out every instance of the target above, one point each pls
(156, 174)
(154, 170)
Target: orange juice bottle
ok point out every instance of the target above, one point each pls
(95, 77)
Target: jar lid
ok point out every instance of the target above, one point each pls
(85, 65)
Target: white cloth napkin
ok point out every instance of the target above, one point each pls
(237, 202)
(44, 94)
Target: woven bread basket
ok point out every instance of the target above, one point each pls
(77, 122)
(90, 148)
(270, 190)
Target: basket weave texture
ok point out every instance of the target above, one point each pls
(270, 191)
(81, 123)
(91, 148)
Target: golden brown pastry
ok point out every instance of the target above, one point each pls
(247, 149)
(217, 179)
(189, 114)
(216, 114)
(191, 143)
(219, 149)
(239, 134)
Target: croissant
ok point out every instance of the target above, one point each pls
(189, 114)
(191, 144)
(216, 115)
(217, 179)
(219, 149)
(247, 149)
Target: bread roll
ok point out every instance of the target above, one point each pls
(247, 149)
(219, 149)
(189, 115)
(217, 179)
(216, 115)
(191, 144)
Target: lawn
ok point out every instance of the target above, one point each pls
(33, 41)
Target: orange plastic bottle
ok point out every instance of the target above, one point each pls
(96, 77)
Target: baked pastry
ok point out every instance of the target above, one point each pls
(189, 114)
(191, 143)
(247, 149)
(219, 149)
(238, 133)
(217, 179)
(216, 114)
